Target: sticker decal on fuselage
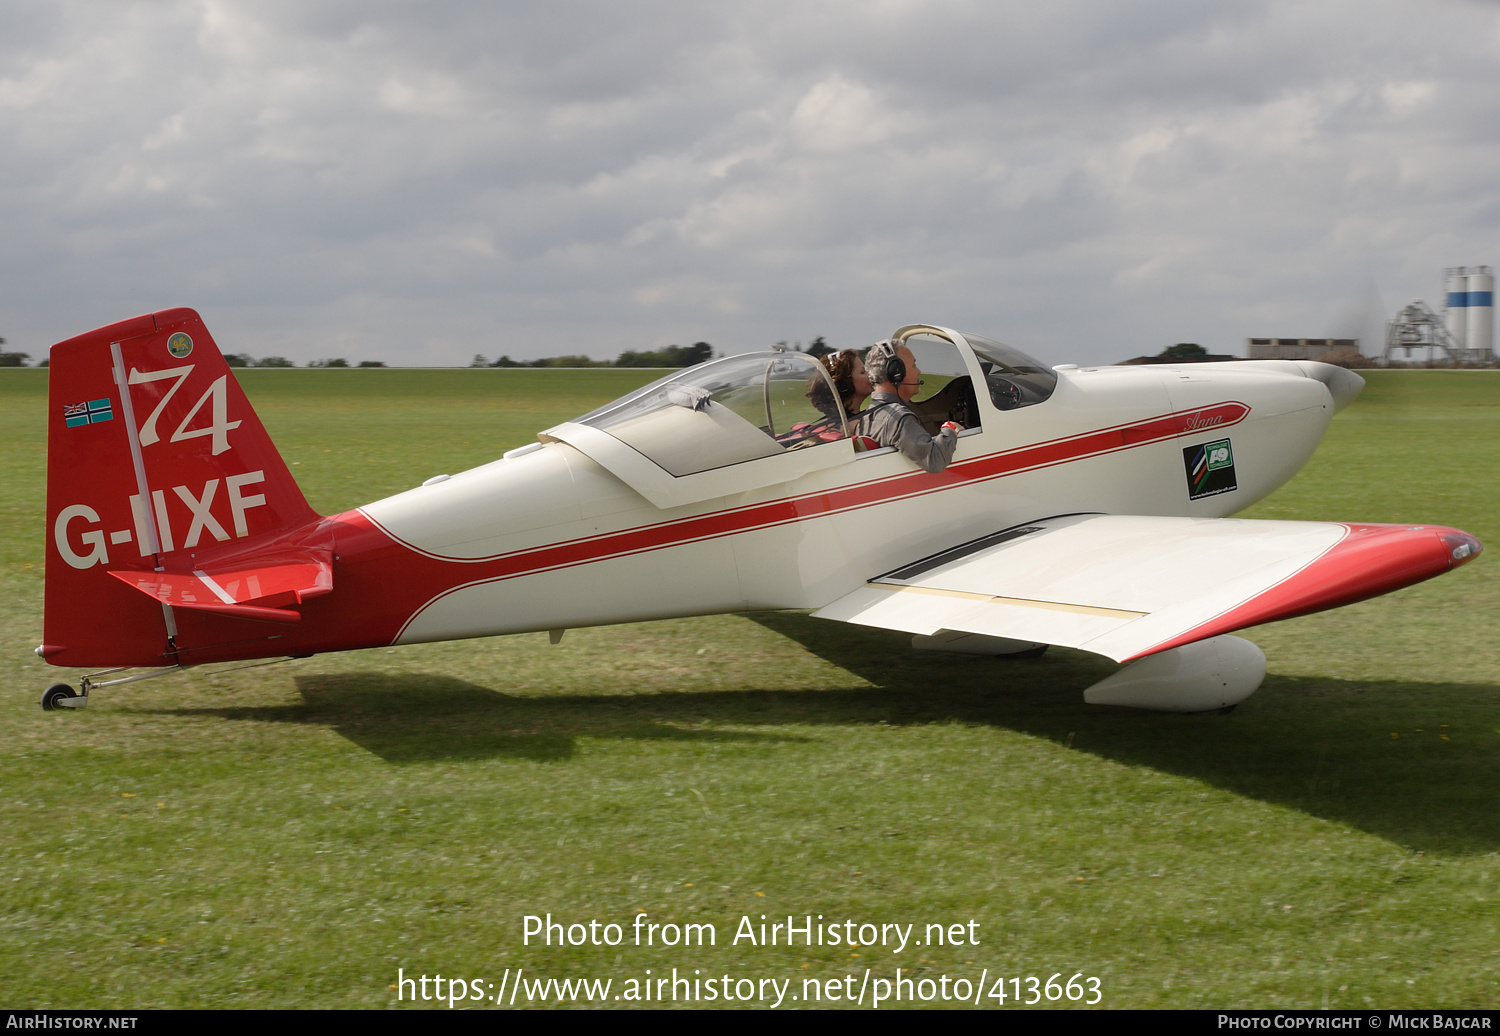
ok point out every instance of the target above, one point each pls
(1210, 469)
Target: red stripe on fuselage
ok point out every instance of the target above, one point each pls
(381, 583)
(815, 505)
(863, 494)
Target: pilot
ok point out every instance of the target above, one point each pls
(890, 421)
(847, 372)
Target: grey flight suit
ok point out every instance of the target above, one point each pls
(890, 422)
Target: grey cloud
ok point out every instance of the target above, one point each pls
(1090, 180)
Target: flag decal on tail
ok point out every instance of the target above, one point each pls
(95, 411)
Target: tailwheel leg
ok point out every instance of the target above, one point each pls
(61, 696)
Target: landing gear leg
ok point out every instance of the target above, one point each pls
(61, 696)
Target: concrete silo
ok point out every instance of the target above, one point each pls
(1481, 310)
(1456, 305)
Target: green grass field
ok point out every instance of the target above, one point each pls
(292, 835)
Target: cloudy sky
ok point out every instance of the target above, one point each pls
(1086, 179)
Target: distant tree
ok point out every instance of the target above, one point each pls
(573, 361)
(506, 361)
(13, 359)
(239, 359)
(371, 363)
(337, 361)
(687, 356)
(43, 363)
(479, 361)
(819, 348)
(671, 356)
(274, 361)
(1182, 350)
(1351, 358)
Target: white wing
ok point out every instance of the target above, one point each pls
(1126, 586)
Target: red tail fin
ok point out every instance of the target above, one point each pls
(153, 452)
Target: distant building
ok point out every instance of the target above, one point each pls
(1297, 348)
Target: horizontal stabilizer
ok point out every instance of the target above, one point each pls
(242, 589)
(1127, 586)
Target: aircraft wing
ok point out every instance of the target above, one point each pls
(1126, 586)
(249, 589)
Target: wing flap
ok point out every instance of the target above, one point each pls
(926, 611)
(1126, 586)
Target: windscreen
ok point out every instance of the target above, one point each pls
(1014, 379)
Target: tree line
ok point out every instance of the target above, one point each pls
(233, 359)
(668, 356)
(246, 360)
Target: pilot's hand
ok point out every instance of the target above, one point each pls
(954, 425)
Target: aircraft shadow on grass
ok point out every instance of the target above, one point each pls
(1320, 746)
(420, 718)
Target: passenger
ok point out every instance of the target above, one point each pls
(853, 386)
(847, 373)
(890, 422)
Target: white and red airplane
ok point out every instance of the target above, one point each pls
(1084, 507)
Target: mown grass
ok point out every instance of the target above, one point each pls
(292, 835)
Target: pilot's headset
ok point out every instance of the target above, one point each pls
(892, 364)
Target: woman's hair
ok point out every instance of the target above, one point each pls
(840, 367)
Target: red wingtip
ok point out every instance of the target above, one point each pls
(1369, 561)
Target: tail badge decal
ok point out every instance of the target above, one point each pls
(95, 411)
(1210, 469)
(179, 345)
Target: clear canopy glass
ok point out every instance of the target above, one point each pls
(1014, 379)
(726, 412)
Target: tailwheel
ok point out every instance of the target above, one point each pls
(53, 697)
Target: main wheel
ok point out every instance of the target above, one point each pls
(56, 693)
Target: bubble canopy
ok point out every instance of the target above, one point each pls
(727, 411)
(761, 419)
